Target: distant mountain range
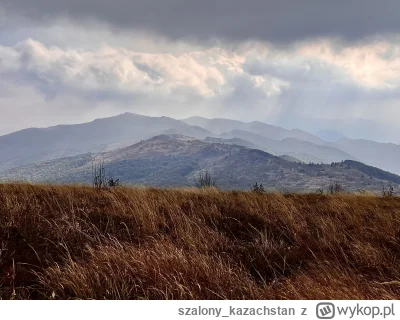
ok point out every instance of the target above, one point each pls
(69, 147)
(34, 144)
(220, 126)
(176, 160)
(382, 155)
(334, 129)
(303, 150)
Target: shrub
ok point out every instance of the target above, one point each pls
(257, 188)
(99, 177)
(388, 191)
(112, 183)
(335, 188)
(205, 180)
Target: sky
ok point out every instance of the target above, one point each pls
(329, 67)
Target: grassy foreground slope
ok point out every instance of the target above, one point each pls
(76, 242)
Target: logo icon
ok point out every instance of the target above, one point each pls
(325, 310)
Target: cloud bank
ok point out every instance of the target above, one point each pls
(275, 61)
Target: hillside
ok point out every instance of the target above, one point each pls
(80, 243)
(235, 141)
(41, 144)
(34, 145)
(383, 155)
(303, 150)
(176, 160)
(308, 147)
(373, 171)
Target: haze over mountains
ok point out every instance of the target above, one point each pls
(63, 153)
(220, 126)
(334, 129)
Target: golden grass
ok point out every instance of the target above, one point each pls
(76, 242)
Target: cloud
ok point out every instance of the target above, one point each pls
(71, 61)
(252, 80)
(204, 74)
(235, 20)
(121, 79)
(371, 65)
(110, 69)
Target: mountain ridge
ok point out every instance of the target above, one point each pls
(273, 132)
(33, 145)
(176, 161)
(38, 144)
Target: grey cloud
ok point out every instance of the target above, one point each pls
(276, 20)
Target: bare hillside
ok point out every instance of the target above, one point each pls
(80, 243)
(176, 161)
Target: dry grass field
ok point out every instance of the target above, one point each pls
(71, 242)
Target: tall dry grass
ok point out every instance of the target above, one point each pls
(75, 242)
